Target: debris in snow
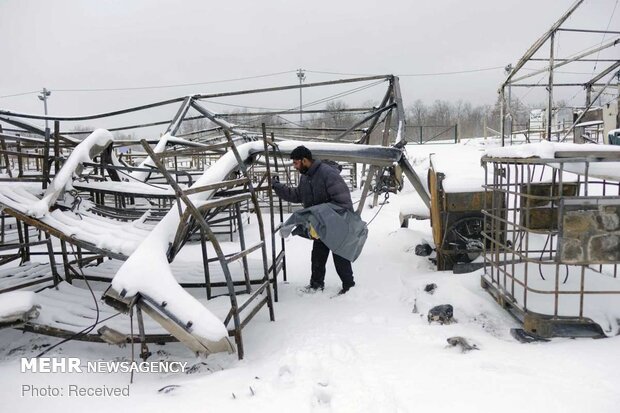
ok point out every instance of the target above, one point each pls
(462, 342)
(523, 336)
(111, 336)
(430, 288)
(441, 313)
(415, 306)
(169, 388)
(423, 250)
(198, 367)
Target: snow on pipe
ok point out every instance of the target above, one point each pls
(90, 147)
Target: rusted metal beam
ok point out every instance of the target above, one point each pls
(589, 52)
(538, 44)
(292, 112)
(601, 75)
(90, 117)
(175, 124)
(364, 120)
(217, 185)
(289, 87)
(60, 235)
(33, 129)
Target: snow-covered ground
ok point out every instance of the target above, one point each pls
(371, 350)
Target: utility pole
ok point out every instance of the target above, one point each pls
(508, 71)
(301, 74)
(43, 96)
(618, 101)
(550, 87)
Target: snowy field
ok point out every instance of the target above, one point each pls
(371, 350)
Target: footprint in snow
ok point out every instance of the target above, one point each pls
(285, 374)
(322, 394)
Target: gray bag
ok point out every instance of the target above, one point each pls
(341, 230)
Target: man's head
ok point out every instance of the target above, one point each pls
(302, 159)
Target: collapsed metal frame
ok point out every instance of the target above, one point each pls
(391, 104)
(520, 211)
(515, 75)
(389, 112)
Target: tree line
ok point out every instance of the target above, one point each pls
(469, 119)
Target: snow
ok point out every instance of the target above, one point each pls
(590, 123)
(83, 152)
(15, 302)
(413, 206)
(546, 149)
(112, 235)
(130, 187)
(366, 351)
(148, 162)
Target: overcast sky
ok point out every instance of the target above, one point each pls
(101, 44)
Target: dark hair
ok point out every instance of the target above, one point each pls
(300, 153)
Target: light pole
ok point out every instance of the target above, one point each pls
(301, 74)
(43, 96)
(46, 166)
(508, 71)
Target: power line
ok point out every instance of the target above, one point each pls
(19, 94)
(603, 39)
(155, 86)
(411, 74)
(173, 86)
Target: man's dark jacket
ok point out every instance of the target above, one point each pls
(321, 184)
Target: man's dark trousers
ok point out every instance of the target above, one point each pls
(320, 252)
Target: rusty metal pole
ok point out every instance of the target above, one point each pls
(550, 87)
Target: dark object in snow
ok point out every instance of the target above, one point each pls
(198, 367)
(430, 288)
(415, 306)
(423, 250)
(523, 336)
(462, 342)
(168, 388)
(466, 267)
(441, 313)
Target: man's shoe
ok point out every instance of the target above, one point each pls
(345, 289)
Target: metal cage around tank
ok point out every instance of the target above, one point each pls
(552, 249)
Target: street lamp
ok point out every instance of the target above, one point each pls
(301, 74)
(508, 71)
(43, 96)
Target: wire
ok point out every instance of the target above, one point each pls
(88, 329)
(241, 106)
(341, 94)
(316, 102)
(173, 86)
(412, 74)
(604, 34)
(529, 90)
(387, 195)
(19, 94)
(77, 334)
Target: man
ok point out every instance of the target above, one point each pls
(319, 183)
